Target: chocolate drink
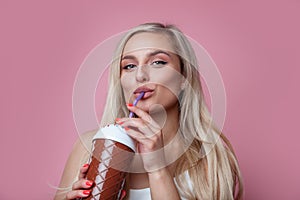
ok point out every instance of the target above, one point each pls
(113, 151)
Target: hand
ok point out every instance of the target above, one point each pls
(149, 137)
(80, 188)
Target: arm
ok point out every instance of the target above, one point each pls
(73, 174)
(149, 136)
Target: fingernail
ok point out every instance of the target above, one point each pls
(89, 183)
(117, 119)
(129, 104)
(85, 165)
(120, 123)
(126, 128)
(123, 194)
(86, 192)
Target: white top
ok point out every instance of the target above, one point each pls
(144, 194)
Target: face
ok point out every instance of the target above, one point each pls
(149, 65)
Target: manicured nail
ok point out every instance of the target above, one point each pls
(117, 119)
(129, 104)
(123, 194)
(126, 128)
(86, 192)
(89, 183)
(85, 165)
(120, 123)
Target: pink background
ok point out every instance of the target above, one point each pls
(254, 44)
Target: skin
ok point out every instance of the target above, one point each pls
(72, 167)
(147, 61)
(141, 69)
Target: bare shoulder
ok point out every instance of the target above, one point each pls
(82, 145)
(78, 156)
(85, 139)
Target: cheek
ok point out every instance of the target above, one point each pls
(170, 80)
(126, 84)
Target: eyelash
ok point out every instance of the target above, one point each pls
(126, 67)
(157, 62)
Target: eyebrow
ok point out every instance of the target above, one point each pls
(151, 54)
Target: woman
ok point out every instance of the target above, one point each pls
(172, 116)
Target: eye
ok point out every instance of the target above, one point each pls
(159, 62)
(129, 67)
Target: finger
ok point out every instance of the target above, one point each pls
(134, 122)
(136, 135)
(82, 184)
(77, 194)
(123, 194)
(148, 144)
(140, 113)
(158, 121)
(137, 121)
(83, 171)
(148, 120)
(139, 125)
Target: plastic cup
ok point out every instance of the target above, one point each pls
(112, 153)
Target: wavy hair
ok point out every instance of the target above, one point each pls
(210, 159)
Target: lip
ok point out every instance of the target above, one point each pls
(148, 92)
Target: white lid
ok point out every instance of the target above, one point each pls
(115, 133)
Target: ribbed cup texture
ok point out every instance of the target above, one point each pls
(109, 162)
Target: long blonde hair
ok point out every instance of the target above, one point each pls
(210, 159)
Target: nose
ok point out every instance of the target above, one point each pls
(142, 74)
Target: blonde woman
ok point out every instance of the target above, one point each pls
(183, 155)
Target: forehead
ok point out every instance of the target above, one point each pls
(148, 40)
